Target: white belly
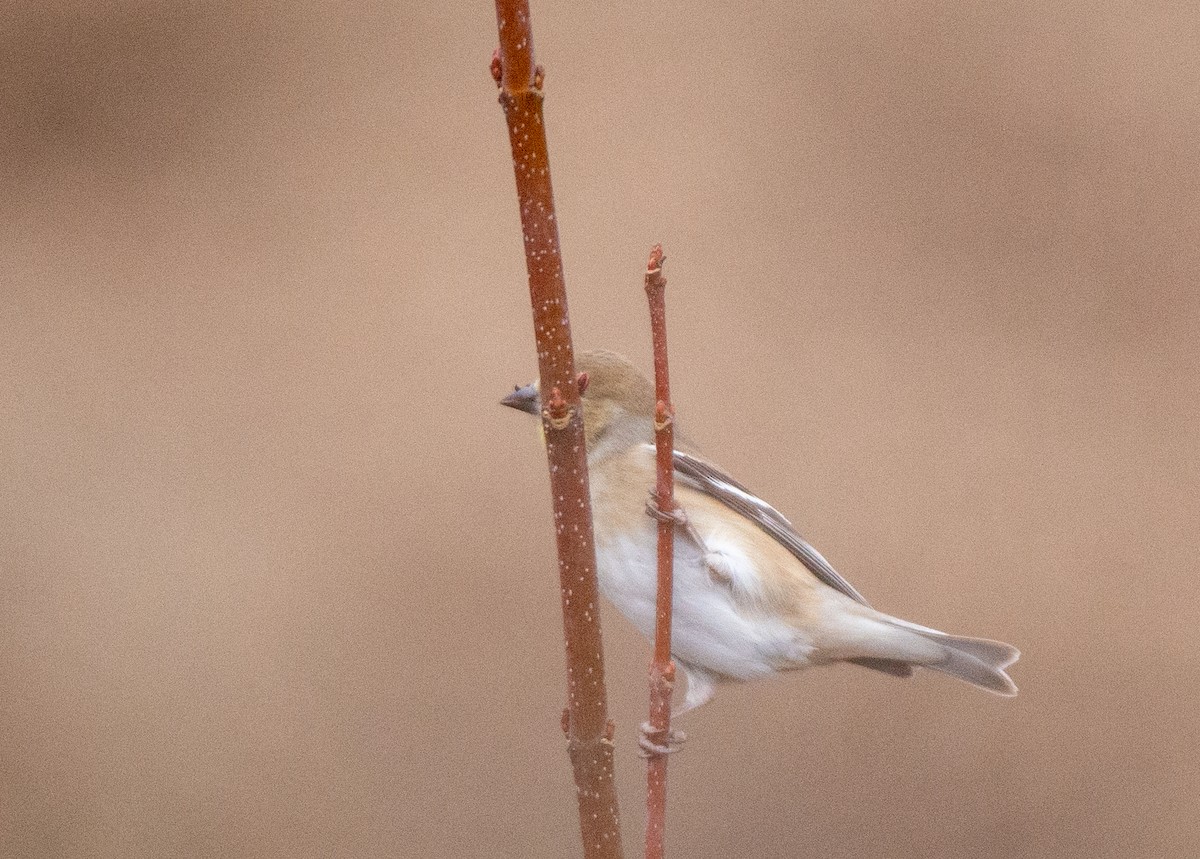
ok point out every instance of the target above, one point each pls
(710, 629)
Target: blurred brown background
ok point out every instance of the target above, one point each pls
(277, 573)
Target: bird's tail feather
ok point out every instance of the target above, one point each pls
(891, 645)
(978, 661)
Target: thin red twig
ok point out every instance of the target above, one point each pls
(662, 669)
(589, 731)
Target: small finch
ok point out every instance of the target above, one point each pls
(751, 597)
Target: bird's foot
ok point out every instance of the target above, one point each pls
(652, 742)
(677, 515)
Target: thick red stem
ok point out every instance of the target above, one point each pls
(589, 732)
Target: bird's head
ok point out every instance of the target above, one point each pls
(618, 402)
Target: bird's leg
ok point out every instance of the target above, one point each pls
(701, 686)
(717, 564)
(678, 516)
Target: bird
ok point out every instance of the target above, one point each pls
(751, 597)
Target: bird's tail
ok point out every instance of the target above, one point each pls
(978, 661)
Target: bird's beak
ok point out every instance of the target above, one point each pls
(523, 400)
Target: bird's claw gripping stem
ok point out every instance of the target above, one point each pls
(652, 743)
(677, 515)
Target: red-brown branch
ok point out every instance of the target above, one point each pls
(589, 732)
(662, 669)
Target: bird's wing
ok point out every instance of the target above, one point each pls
(705, 477)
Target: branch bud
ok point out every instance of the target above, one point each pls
(557, 413)
(663, 416)
(495, 67)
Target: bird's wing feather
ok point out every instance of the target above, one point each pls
(705, 477)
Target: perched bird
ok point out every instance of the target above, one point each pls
(751, 596)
